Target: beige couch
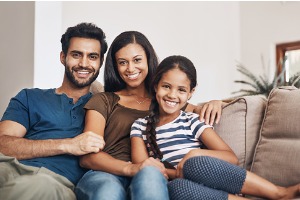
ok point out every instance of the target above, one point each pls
(265, 134)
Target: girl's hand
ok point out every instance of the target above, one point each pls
(155, 163)
(179, 170)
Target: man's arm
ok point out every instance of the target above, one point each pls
(13, 143)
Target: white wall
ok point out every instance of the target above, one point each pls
(48, 71)
(212, 34)
(263, 25)
(205, 32)
(16, 49)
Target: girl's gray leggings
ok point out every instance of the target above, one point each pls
(207, 178)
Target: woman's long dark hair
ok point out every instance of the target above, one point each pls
(112, 80)
(171, 62)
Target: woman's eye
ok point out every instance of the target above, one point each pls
(166, 86)
(122, 63)
(182, 90)
(137, 60)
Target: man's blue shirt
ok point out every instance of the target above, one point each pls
(47, 115)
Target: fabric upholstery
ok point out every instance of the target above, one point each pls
(96, 87)
(240, 125)
(277, 153)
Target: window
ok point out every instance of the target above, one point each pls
(288, 55)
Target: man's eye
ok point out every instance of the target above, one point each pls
(75, 55)
(93, 57)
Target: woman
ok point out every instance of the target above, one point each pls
(130, 64)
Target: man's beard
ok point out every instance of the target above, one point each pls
(71, 77)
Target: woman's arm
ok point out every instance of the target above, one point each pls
(209, 112)
(95, 122)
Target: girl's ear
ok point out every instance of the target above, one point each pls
(62, 58)
(191, 93)
(155, 88)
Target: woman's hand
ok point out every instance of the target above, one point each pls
(210, 112)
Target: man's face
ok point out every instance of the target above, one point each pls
(82, 62)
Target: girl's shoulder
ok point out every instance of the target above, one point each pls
(189, 115)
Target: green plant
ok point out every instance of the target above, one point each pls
(261, 84)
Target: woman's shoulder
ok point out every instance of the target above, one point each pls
(106, 96)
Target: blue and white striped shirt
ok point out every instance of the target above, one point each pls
(175, 139)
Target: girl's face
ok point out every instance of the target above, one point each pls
(172, 92)
(132, 64)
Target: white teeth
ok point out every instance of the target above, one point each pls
(132, 76)
(170, 103)
(83, 72)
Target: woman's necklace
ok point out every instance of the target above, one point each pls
(140, 102)
(136, 98)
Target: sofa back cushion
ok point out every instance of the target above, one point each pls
(240, 125)
(277, 155)
(96, 87)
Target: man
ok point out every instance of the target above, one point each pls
(41, 130)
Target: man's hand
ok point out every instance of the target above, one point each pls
(87, 142)
(210, 112)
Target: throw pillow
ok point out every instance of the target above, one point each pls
(240, 125)
(277, 155)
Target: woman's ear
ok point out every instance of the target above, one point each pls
(62, 58)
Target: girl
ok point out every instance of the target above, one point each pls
(176, 138)
(130, 64)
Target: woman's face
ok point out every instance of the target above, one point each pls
(132, 64)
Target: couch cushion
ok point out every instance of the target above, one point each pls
(277, 153)
(96, 87)
(240, 125)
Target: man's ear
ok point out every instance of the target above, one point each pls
(62, 58)
(191, 93)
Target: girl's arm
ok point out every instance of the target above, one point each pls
(139, 155)
(138, 150)
(216, 148)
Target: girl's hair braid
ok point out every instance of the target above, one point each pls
(153, 118)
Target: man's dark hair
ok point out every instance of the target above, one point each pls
(84, 30)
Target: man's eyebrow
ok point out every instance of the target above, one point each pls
(76, 51)
(94, 53)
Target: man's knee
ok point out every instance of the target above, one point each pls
(41, 186)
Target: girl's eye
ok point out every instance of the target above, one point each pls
(182, 90)
(166, 86)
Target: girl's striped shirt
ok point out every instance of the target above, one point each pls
(176, 138)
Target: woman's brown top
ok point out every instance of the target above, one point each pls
(118, 123)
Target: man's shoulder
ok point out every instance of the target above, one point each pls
(33, 92)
